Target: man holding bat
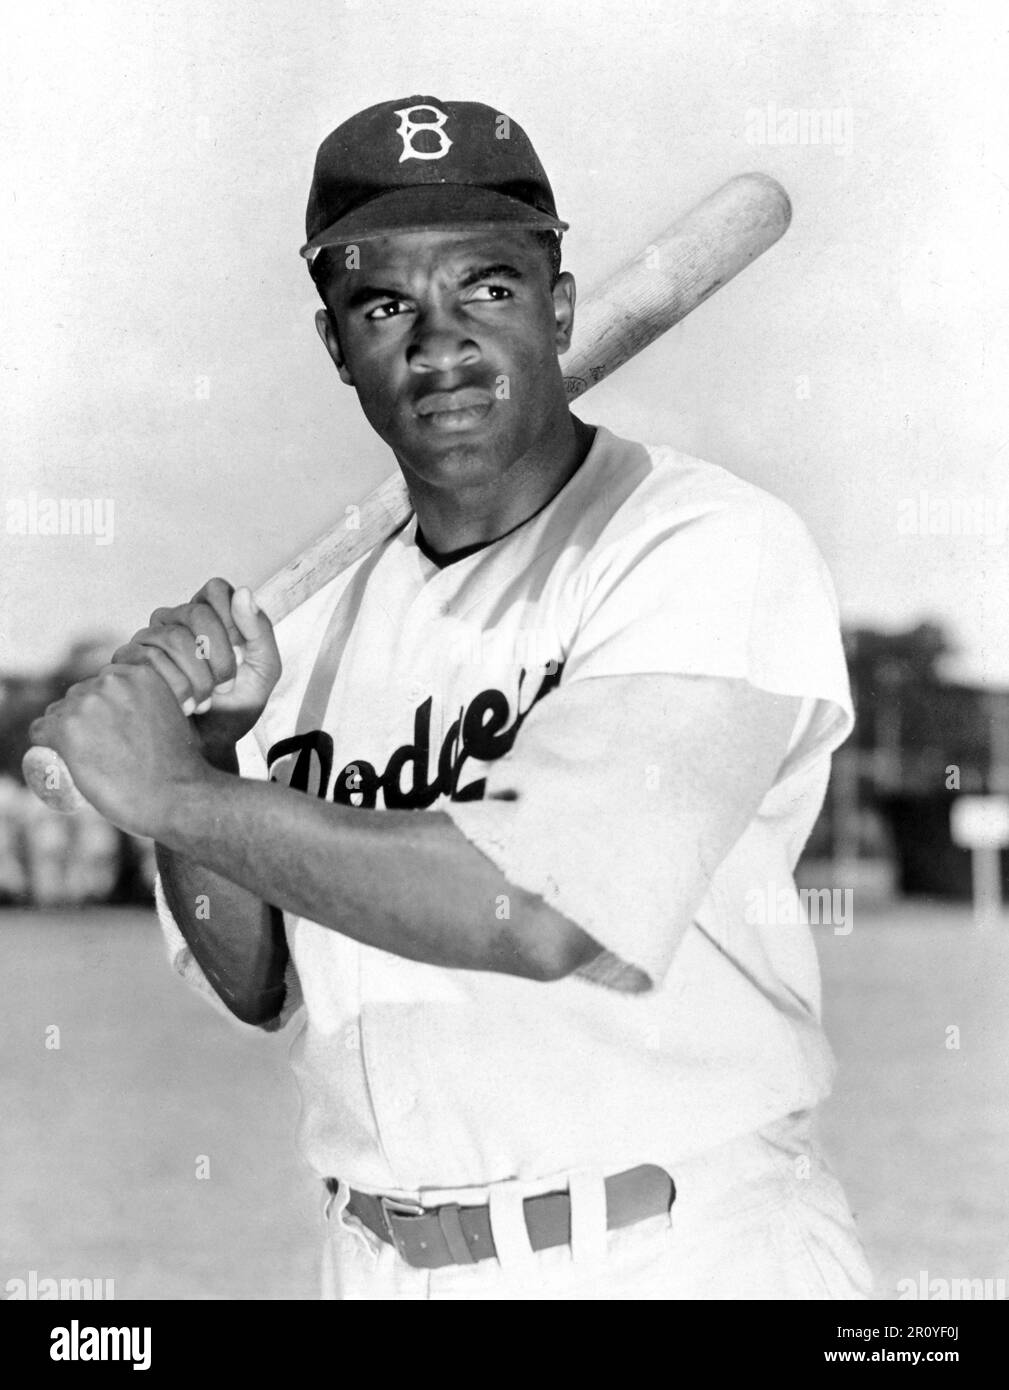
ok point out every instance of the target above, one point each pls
(547, 1047)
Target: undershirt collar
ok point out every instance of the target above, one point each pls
(448, 557)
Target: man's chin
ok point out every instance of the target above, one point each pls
(455, 458)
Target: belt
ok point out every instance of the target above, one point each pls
(432, 1237)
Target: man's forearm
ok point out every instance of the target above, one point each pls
(403, 881)
(236, 938)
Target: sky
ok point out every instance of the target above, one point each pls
(159, 353)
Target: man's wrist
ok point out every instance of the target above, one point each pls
(186, 811)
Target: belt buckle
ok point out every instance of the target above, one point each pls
(392, 1206)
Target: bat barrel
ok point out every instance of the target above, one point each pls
(666, 281)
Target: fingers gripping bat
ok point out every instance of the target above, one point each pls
(651, 292)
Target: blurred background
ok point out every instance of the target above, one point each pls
(167, 404)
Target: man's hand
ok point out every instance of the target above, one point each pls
(193, 647)
(127, 744)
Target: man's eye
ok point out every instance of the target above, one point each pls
(389, 310)
(490, 293)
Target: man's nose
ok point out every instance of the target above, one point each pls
(441, 342)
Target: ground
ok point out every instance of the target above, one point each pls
(154, 1145)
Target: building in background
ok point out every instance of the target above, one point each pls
(920, 741)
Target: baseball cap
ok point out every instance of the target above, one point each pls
(419, 162)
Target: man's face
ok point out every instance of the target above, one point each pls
(451, 339)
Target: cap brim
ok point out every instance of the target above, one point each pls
(428, 206)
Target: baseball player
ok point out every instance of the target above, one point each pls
(559, 1036)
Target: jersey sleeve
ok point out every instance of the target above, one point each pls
(610, 800)
(180, 956)
(739, 590)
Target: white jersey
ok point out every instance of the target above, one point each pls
(406, 685)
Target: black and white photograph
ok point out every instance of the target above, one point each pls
(504, 660)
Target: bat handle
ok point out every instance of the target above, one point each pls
(49, 778)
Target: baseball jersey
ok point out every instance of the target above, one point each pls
(474, 689)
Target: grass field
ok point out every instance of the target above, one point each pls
(103, 1137)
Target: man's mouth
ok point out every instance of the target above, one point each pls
(454, 410)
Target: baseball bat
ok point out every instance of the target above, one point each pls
(649, 294)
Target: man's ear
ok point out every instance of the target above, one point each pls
(326, 327)
(564, 295)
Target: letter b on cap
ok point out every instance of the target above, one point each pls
(408, 128)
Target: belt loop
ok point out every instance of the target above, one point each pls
(508, 1226)
(588, 1217)
(338, 1192)
(455, 1237)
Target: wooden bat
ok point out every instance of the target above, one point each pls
(654, 290)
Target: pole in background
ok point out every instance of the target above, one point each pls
(981, 824)
(888, 769)
(997, 709)
(844, 815)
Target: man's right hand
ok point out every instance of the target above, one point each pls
(219, 655)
